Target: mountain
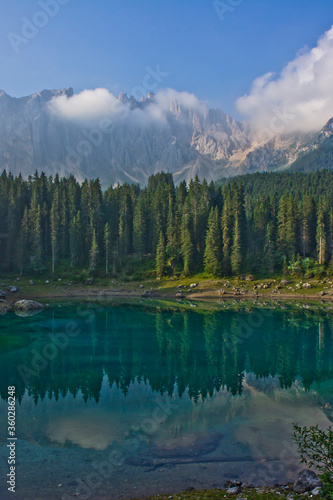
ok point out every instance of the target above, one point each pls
(320, 155)
(204, 142)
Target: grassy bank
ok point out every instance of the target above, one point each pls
(246, 494)
(69, 285)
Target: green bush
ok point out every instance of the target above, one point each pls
(315, 447)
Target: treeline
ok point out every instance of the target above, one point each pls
(224, 230)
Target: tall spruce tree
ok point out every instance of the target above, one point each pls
(107, 246)
(160, 256)
(187, 247)
(94, 252)
(213, 250)
(321, 235)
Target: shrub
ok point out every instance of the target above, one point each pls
(315, 447)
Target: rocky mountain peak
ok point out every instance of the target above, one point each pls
(192, 141)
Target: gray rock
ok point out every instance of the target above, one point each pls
(307, 286)
(12, 289)
(31, 282)
(234, 490)
(316, 491)
(231, 483)
(28, 305)
(193, 285)
(307, 480)
(47, 282)
(284, 282)
(146, 294)
(141, 286)
(89, 282)
(179, 295)
(3, 295)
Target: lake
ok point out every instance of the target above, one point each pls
(118, 400)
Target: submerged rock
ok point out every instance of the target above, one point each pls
(26, 314)
(3, 295)
(28, 305)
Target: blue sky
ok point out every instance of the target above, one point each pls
(110, 43)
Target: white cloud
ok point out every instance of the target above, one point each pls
(300, 98)
(91, 106)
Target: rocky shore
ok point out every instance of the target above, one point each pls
(307, 485)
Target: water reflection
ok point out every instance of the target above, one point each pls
(205, 396)
(170, 350)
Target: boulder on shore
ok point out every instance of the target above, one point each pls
(284, 282)
(307, 480)
(3, 295)
(28, 305)
(89, 282)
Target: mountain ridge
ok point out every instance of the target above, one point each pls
(204, 142)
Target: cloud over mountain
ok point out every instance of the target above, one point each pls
(91, 106)
(300, 98)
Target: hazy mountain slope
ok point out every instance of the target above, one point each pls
(33, 138)
(205, 142)
(320, 155)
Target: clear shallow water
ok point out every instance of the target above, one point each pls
(117, 401)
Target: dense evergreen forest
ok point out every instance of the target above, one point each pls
(255, 223)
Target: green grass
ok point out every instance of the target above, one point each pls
(249, 494)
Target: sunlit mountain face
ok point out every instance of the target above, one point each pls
(122, 139)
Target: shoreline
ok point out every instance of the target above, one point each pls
(195, 288)
(85, 292)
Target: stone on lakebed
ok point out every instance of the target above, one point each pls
(28, 305)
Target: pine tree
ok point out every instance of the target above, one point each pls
(236, 250)
(107, 246)
(94, 252)
(321, 235)
(35, 224)
(54, 221)
(187, 248)
(236, 257)
(23, 247)
(282, 226)
(160, 256)
(226, 223)
(74, 243)
(269, 259)
(140, 227)
(291, 228)
(307, 225)
(126, 222)
(213, 253)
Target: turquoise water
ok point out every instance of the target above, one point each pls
(121, 400)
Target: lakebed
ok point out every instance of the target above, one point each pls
(127, 398)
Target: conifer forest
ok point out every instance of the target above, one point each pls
(259, 223)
